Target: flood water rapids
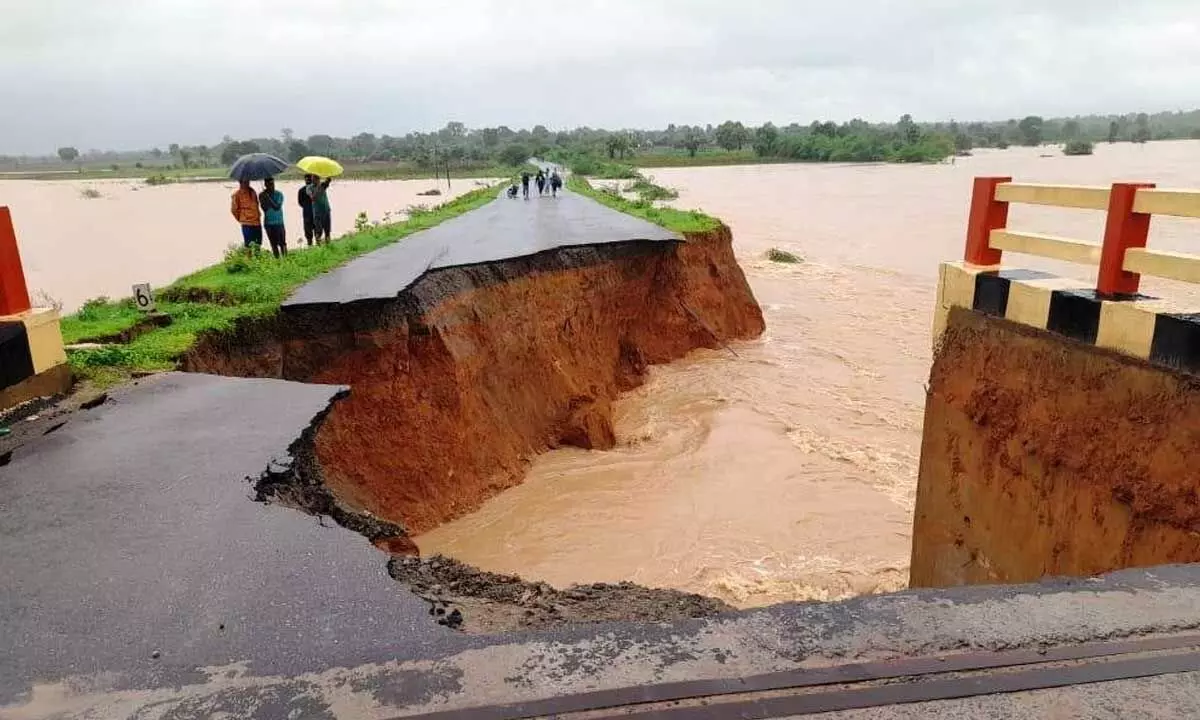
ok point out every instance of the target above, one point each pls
(788, 471)
(778, 469)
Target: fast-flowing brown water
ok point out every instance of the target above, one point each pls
(75, 247)
(788, 472)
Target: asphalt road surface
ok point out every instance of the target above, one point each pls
(131, 531)
(505, 228)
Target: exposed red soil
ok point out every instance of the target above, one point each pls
(1043, 456)
(446, 412)
(472, 371)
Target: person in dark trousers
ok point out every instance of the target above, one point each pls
(318, 192)
(306, 208)
(541, 182)
(271, 201)
(525, 184)
(555, 183)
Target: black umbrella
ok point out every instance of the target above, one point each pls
(257, 166)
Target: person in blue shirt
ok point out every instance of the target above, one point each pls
(271, 201)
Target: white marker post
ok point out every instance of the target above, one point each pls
(143, 298)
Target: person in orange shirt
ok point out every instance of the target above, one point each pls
(245, 211)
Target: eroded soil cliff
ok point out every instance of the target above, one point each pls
(1043, 456)
(457, 383)
(460, 380)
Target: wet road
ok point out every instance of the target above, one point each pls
(131, 530)
(505, 228)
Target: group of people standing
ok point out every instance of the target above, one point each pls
(257, 212)
(547, 181)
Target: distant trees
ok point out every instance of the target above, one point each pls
(1141, 129)
(321, 145)
(765, 138)
(909, 131)
(618, 145)
(363, 145)
(1031, 130)
(296, 150)
(903, 140)
(514, 155)
(238, 148)
(732, 135)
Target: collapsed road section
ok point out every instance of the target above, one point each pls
(473, 346)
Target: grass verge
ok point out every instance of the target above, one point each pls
(681, 221)
(218, 296)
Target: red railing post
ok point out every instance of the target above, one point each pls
(987, 214)
(1123, 229)
(14, 295)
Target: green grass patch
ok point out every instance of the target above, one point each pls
(239, 287)
(648, 191)
(782, 256)
(681, 221)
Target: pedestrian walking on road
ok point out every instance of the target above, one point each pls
(306, 208)
(525, 184)
(541, 182)
(271, 201)
(318, 192)
(555, 183)
(245, 210)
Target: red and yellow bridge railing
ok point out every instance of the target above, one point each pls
(1109, 312)
(32, 360)
(1122, 255)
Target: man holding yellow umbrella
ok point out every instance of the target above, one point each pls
(318, 191)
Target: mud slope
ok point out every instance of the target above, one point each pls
(1042, 456)
(472, 370)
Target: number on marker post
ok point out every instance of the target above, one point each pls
(143, 298)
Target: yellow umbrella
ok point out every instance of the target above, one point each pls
(320, 166)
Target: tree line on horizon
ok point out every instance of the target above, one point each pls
(854, 141)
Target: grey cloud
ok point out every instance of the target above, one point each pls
(135, 73)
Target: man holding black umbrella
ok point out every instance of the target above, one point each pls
(245, 210)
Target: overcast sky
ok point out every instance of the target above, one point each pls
(139, 73)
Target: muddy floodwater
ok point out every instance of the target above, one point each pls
(788, 471)
(774, 470)
(77, 245)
